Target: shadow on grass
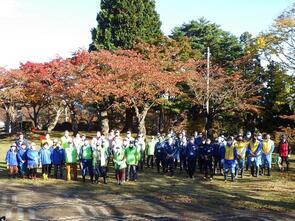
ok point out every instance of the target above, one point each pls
(156, 196)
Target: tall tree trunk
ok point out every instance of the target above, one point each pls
(129, 113)
(141, 115)
(11, 119)
(161, 119)
(209, 124)
(53, 123)
(74, 120)
(104, 121)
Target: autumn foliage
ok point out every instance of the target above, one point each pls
(138, 79)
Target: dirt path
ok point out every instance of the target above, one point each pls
(26, 202)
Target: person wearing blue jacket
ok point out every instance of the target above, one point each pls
(254, 155)
(221, 155)
(230, 158)
(57, 158)
(22, 162)
(160, 153)
(32, 157)
(200, 155)
(182, 153)
(217, 145)
(191, 157)
(207, 153)
(170, 152)
(11, 161)
(198, 139)
(45, 160)
(21, 140)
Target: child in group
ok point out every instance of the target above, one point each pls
(57, 157)
(85, 157)
(230, 158)
(32, 157)
(140, 145)
(71, 161)
(151, 152)
(11, 161)
(191, 157)
(207, 153)
(45, 160)
(284, 153)
(99, 162)
(22, 162)
(132, 158)
(120, 164)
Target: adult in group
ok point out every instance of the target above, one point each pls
(230, 157)
(267, 150)
(86, 157)
(191, 157)
(284, 152)
(207, 153)
(99, 162)
(241, 147)
(151, 151)
(21, 140)
(254, 155)
(71, 156)
(66, 139)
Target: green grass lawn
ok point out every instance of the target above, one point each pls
(273, 194)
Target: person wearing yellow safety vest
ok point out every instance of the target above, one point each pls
(267, 150)
(254, 155)
(230, 158)
(241, 146)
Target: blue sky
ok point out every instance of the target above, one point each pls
(38, 30)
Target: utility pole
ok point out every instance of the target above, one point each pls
(207, 89)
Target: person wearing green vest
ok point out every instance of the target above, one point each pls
(71, 161)
(132, 158)
(151, 144)
(120, 164)
(86, 156)
(99, 161)
(65, 140)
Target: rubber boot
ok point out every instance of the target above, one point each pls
(96, 178)
(225, 176)
(242, 170)
(104, 180)
(268, 171)
(83, 179)
(262, 171)
(44, 176)
(91, 179)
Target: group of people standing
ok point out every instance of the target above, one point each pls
(224, 156)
